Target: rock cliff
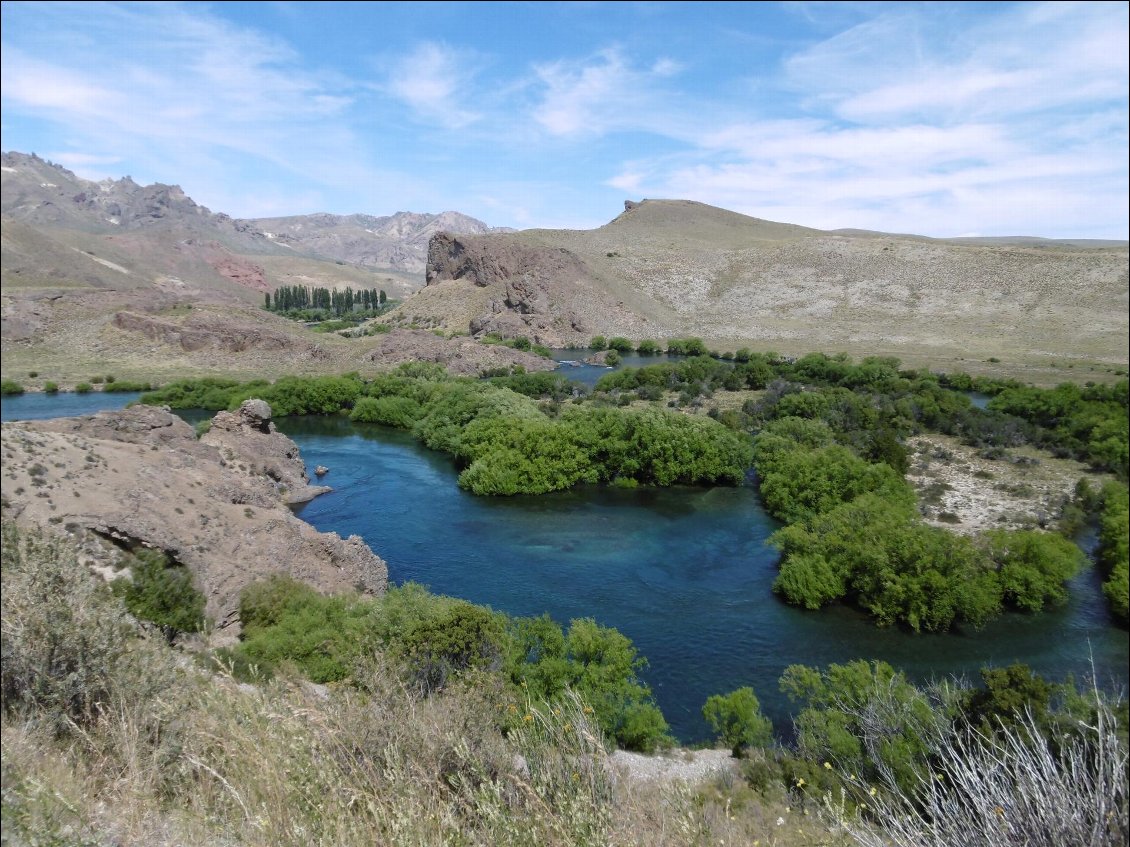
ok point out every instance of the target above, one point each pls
(546, 293)
(140, 478)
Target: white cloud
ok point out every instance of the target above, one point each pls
(434, 81)
(183, 95)
(606, 93)
(916, 120)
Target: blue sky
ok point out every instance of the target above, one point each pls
(940, 119)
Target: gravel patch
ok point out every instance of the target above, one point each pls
(689, 766)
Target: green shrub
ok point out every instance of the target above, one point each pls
(1033, 567)
(9, 387)
(401, 412)
(865, 718)
(84, 388)
(97, 380)
(161, 592)
(458, 639)
(1114, 548)
(598, 342)
(737, 720)
(648, 348)
(51, 387)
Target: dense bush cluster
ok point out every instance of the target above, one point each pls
(504, 441)
(854, 533)
(1114, 548)
(872, 403)
(437, 640)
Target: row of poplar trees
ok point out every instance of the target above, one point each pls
(288, 297)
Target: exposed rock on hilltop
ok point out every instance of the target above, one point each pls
(139, 477)
(42, 193)
(515, 286)
(667, 268)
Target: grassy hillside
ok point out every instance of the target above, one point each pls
(675, 268)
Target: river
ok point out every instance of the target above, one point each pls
(685, 572)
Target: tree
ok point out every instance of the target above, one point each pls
(162, 593)
(737, 720)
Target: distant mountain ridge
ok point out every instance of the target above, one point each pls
(41, 193)
(397, 241)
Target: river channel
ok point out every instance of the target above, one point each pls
(686, 573)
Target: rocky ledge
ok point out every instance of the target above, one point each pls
(139, 477)
(461, 355)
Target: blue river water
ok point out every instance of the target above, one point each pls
(686, 573)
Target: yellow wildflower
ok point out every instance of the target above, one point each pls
(827, 766)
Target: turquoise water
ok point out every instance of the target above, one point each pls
(684, 572)
(35, 406)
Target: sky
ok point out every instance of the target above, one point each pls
(940, 119)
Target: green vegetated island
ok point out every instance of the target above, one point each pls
(447, 722)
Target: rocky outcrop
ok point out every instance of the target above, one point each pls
(242, 272)
(486, 260)
(140, 478)
(462, 356)
(533, 288)
(248, 440)
(198, 333)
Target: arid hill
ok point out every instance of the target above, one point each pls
(667, 268)
(144, 283)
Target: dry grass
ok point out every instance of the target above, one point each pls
(1008, 788)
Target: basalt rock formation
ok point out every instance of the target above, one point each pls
(509, 286)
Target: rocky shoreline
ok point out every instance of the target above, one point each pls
(139, 478)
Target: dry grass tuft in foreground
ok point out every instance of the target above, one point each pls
(111, 737)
